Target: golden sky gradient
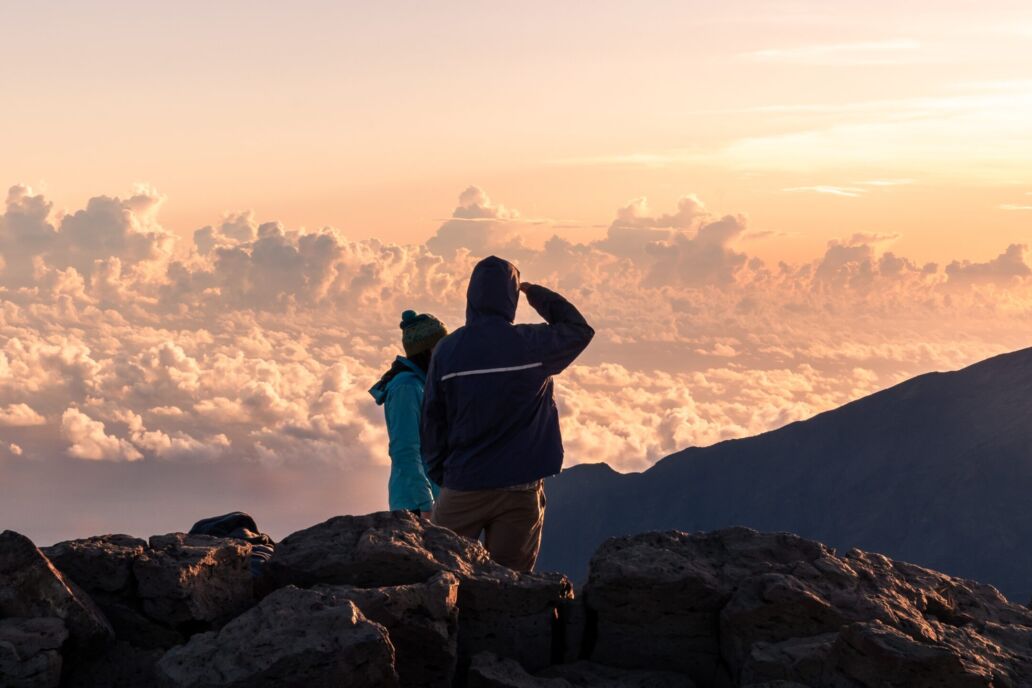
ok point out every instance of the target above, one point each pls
(814, 119)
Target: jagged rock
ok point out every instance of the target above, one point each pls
(103, 563)
(103, 566)
(31, 587)
(514, 615)
(292, 639)
(121, 666)
(775, 607)
(385, 548)
(422, 622)
(30, 654)
(488, 670)
(503, 611)
(592, 675)
(193, 581)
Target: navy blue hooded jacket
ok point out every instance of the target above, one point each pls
(489, 419)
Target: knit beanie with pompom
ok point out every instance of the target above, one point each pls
(420, 332)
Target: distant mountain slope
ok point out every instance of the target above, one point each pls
(936, 470)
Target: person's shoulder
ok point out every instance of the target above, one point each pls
(405, 378)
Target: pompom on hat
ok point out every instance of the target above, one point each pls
(420, 332)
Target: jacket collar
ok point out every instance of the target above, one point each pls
(401, 365)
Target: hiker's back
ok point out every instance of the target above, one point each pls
(502, 423)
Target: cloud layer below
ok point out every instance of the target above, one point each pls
(251, 346)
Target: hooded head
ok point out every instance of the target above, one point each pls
(494, 289)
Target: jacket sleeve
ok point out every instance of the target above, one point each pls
(408, 488)
(565, 336)
(433, 429)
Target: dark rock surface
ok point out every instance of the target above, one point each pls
(194, 580)
(422, 621)
(722, 609)
(592, 675)
(737, 607)
(30, 652)
(488, 670)
(293, 639)
(103, 563)
(502, 611)
(103, 566)
(384, 548)
(30, 587)
(936, 470)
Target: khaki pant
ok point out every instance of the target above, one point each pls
(511, 521)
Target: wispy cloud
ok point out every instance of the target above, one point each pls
(850, 191)
(1014, 206)
(859, 53)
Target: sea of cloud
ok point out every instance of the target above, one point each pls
(249, 349)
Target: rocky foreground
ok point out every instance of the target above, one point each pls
(388, 600)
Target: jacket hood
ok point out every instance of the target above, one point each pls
(494, 289)
(400, 365)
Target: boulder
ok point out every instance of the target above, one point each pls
(193, 582)
(30, 652)
(422, 622)
(514, 615)
(488, 670)
(738, 607)
(500, 610)
(292, 639)
(592, 675)
(31, 587)
(99, 564)
(103, 566)
(375, 550)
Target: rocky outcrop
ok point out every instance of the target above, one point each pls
(391, 600)
(156, 593)
(100, 564)
(194, 579)
(30, 652)
(31, 588)
(293, 639)
(385, 548)
(422, 622)
(488, 670)
(103, 566)
(502, 611)
(737, 607)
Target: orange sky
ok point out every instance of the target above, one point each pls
(371, 118)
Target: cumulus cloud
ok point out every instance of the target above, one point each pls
(251, 343)
(479, 226)
(1008, 266)
(88, 440)
(20, 415)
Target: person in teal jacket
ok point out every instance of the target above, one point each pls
(400, 392)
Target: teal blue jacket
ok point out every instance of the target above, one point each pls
(400, 392)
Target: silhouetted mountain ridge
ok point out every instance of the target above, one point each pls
(936, 470)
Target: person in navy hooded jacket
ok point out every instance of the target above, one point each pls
(490, 427)
(400, 391)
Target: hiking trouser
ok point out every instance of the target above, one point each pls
(510, 519)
